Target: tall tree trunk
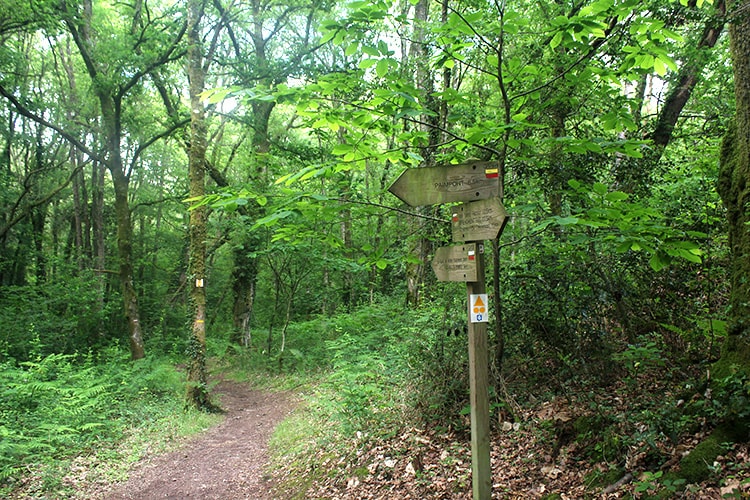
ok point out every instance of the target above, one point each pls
(39, 217)
(38, 220)
(244, 277)
(125, 252)
(78, 212)
(734, 188)
(110, 102)
(419, 54)
(197, 391)
(97, 235)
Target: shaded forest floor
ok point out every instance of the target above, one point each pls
(532, 459)
(227, 461)
(544, 452)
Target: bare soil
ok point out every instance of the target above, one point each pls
(226, 462)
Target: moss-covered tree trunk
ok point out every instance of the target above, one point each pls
(197, 392)
(110, 101)
(734, 188)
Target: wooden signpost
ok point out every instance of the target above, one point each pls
(433, 185)
(478, 220)
(481, 216)
(456, 263)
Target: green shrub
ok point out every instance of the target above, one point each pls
(55, 406)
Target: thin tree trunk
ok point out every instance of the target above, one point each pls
(197, 390)
(97, 234)
(78, 213)
(419, 54)
(38, 222)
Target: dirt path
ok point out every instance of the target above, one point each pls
(227, 462)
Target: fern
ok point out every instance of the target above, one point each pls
(57, 405)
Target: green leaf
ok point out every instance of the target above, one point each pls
(658, 261)
(382, 68)
(567, 221)
(274, 218)
(556, 40)
(660, 67)
(689, 256)
(370, 51)
(351, 49)
(341, 149)
(600, 189)
(624, 246)
(616, 196)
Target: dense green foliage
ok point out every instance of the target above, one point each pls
(58, 406)
(604, 118)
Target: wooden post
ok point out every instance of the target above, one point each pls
(472, 182)
(481, 470)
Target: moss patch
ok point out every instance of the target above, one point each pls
(694, 467)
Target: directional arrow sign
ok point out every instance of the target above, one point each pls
(432, 185)
(456, 263)
(478, 220)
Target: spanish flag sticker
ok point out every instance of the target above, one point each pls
(490, 173)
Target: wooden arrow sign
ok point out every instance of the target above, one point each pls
(471, 181)
(478, 220)
(456, 263)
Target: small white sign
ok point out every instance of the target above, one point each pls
(478, 308)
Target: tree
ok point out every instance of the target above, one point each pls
(282, 36)
(111, 86)
(734, 188)
(197, 391)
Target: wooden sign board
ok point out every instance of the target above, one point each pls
(478, 220)
(456, 263)
(471, 181)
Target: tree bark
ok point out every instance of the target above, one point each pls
(197, 390)
(110, 102)
(97, 234)
(419, 54)
(125, 252)
(734, 188)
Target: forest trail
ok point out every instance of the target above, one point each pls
(226, 462)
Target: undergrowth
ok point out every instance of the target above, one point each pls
(57, 408)
(374, 375)
(362, 377)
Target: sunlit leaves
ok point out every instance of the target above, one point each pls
(228, 200)
(608, 217)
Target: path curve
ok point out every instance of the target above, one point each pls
(226, 462)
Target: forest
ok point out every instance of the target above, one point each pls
(198, 190)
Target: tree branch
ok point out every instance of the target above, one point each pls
(38, 119)
(38, 202)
